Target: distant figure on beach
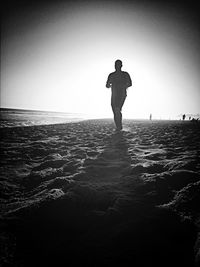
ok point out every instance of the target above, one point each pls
(183, 117)
(195, 120)
(150, 117)
(119, 81)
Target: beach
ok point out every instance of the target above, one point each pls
(82, 194)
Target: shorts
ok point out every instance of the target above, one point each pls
(117, 101)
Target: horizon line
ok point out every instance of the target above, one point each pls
(175, 117)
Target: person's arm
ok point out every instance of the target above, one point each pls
(108, 83)
(129, 81)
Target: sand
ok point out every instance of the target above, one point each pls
(80, 194)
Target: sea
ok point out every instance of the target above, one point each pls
(23, 117)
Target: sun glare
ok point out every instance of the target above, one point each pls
(62, 63)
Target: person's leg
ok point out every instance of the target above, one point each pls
(121, 102)
(119, 116)
(117, 103)
(113, 105)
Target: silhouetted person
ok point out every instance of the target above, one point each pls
(150, 117)
(119, 81)
(195, 120)
(183, 117)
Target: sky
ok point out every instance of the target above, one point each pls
(56, 56)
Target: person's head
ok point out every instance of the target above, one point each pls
(118, 64)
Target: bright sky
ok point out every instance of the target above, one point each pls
(58, 57)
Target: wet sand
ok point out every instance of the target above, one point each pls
(80, 194)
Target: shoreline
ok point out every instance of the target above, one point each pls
(77, 120)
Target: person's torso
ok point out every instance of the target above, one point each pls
(119, 82)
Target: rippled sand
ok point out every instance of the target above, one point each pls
(80, 194)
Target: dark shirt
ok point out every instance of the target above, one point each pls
(119, 81)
